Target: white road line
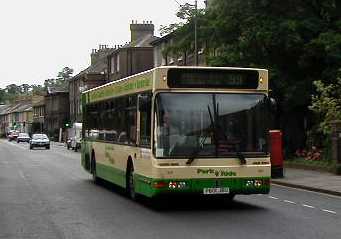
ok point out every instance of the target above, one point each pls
(306, 205)
(21, 174)
(329, 211)
(291, 202)
(273, 197)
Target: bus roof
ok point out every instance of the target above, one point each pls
(144, 81)
(170, 67)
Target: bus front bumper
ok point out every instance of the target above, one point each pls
(155, 187)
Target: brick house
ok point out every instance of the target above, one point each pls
(38, 106)
(93, 76)
(57, 112)
(187, 58)
(133, 57)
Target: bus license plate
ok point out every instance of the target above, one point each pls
(216, 190)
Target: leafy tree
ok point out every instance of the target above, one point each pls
(299, 41)
(13, 89)
(65, 73)
(2, 96)
(183, 31)
(61, 81)
(327, 103)
(37, 89)
(25, 88)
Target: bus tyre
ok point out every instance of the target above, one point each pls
(93, 171)
(130, 182)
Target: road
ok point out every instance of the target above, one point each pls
(46, 194)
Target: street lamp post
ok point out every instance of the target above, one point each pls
(195, 32)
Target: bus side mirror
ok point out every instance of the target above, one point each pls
(273, 104)
(144, 103)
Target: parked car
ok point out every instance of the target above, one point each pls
(12, 135)
(39, 140)
(23, 137)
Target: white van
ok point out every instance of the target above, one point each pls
(75, 137)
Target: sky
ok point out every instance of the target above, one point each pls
(38, 38)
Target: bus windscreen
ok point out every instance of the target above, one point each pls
(209, 78)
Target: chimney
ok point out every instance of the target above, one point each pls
(138, 30)
(98, 54)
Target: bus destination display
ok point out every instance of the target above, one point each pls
(208, 78)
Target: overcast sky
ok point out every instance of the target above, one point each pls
(39, 37)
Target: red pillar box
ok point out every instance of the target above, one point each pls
(276, 153)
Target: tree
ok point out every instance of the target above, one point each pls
(183, 32)
(327, 103)
(25, 88)
(2, 96)
(298, 41)
(61, 81)
(65, 74)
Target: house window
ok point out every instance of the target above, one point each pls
(112, 65)
(117, 63)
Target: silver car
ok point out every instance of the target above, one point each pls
(23, 137)
(39, 140)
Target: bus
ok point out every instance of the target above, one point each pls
(180, 130)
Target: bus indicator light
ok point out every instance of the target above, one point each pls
(159, 185)
(261, 80)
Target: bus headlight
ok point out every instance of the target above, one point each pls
(249, 183)
(254, 183)
(258, 183)
(179, 185)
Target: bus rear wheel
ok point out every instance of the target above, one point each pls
(130, 182)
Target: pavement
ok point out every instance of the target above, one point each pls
(323, 182)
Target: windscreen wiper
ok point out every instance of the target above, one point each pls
(240, 155)
(196, 151)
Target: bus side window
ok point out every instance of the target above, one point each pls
(145, 108)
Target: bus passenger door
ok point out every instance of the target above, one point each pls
(144, 131)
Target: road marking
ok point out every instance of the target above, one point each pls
(21, 174)
(329, 211)
(273, 197)
(306, 205)
(291, 202)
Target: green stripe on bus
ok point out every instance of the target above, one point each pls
(111, 174)
(120, 88)
(149, 186)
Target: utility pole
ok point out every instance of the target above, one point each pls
(195, 32)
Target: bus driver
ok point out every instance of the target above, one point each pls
(167, 134)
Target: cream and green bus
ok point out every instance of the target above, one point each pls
(180, 130)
